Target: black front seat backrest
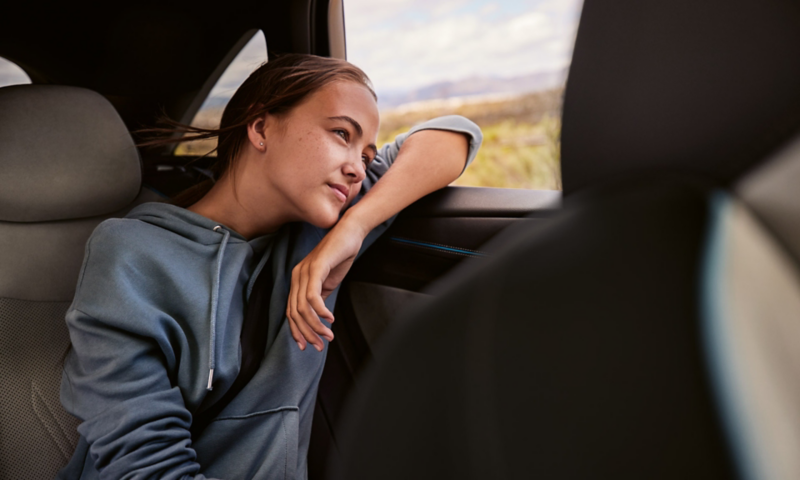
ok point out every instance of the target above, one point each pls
(650, 329)
(704, 87)
(67, 162)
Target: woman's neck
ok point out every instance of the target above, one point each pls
(229, 205)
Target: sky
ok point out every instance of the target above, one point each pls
(407, 44)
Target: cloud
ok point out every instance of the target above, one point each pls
(411, 43)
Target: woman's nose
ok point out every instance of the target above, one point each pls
(356, 170)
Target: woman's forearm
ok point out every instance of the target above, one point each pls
(428, 160)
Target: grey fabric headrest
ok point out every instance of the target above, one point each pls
(64, 153)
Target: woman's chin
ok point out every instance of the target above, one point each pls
(324, 221)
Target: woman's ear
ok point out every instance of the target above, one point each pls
(257, 132)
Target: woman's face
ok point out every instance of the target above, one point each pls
(317, 154)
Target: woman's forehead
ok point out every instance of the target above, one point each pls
(349, 99)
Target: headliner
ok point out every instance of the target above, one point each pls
(148, 55)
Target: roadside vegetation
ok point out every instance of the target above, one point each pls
(521, 146)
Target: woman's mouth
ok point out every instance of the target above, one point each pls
(340, 191)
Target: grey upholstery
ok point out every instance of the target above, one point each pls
(37, 436)
(752, 312)
(64, 153)
(772, 192)
(51, 198)
(41, 260)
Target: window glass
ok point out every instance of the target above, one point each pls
(501, 64)
(252, 55)
(11, 74)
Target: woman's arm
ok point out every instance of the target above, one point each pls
(431, 158)
(116, 375)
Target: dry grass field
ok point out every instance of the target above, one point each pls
(521, 147)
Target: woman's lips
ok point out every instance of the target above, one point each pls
(340, 191)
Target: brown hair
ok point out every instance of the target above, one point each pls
(275, 87)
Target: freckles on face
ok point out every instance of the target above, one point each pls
(327, 139)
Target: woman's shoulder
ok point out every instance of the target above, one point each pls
(124, 257)
(145, 226)
(114, 230)
(116, 244)
(117, 235)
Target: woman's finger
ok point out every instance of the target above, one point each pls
(309, 334)
(293, 328)
(309, 316)
(311, 284)
(295, 333)
(314, 298)
(291, 310)
(299, 308)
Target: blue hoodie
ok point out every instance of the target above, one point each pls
(155, 327)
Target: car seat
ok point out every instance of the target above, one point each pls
(651, 328)
(67, 162)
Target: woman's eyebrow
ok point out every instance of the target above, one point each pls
(352, 122)
(357, 126)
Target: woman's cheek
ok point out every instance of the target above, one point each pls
(354, 189)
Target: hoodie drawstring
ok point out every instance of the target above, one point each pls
(214, 302)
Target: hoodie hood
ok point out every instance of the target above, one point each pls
(183, 222)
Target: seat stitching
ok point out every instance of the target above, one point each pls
(37, 400)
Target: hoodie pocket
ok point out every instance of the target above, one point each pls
(261, 445)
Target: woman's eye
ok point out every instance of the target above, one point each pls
(341, 133)
(366, 160)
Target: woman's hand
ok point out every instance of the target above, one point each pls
(427, 161)
(316, 276)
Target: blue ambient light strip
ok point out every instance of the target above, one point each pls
(444, 248)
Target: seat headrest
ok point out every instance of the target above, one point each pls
(64, 153)
(707, 88)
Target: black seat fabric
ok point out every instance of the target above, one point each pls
(575, 352)
(649, 329)
(706, 87)
(67, 162)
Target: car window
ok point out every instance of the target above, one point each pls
(12, 74)
(250, 57)
(502, 64)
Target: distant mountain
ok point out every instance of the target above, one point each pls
(475, 86)
(472, 86)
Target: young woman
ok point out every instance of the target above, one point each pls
(156, 323)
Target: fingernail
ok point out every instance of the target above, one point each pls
(318, 347)
(300, 345)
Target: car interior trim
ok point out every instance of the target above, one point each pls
(202, 94)
(337, 40)
(435, 246)
(485, 202)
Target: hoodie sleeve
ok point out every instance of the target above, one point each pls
(116, 376)
(387, 154)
